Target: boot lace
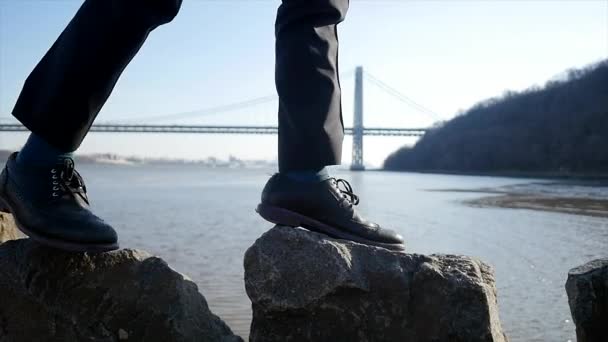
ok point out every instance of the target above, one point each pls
(66, 181)
(346, 190)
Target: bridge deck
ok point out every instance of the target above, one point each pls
(110, 128)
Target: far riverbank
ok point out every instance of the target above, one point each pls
(584, 176)
(569, 196)
(576, 206)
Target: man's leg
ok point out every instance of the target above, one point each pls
(310, 110)
(311, 128)
(58, 104)
(66, 90)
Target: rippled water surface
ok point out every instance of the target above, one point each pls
(202, 220)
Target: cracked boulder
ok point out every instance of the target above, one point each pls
(587, 288)
(126, 295)
(305, 286)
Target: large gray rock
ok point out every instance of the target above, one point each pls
(8, 230)
(127, 295)
(587, 288)
(307, 287)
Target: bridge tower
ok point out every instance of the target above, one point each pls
(357, 162)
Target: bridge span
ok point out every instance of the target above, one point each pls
(120, 128)
(357, 131)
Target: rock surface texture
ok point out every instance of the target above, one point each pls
(8, 230)
(127, 295)
(307, 287)
(587, 289)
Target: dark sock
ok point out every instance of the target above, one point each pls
(37, 151)
(308, 176)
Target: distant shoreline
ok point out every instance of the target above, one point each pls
(115, 159)
(515, 174)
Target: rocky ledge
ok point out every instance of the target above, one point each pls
(127, 295)
(587, 289)
(307, 287)
(304, 287)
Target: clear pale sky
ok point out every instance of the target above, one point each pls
(445, 55)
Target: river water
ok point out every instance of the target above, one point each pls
(202, 220)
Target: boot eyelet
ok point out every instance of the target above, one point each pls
(55, 194)
(55, 177)
(55, 183)
(53, 171)
(55, 188)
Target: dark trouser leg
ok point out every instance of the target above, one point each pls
(311, 129)
(310, 113)
(65, 92)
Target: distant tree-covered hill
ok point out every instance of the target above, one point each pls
(559, 128)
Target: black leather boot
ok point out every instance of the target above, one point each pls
(323, 207)
(51, 206)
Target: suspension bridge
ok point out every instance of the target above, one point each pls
(358, 130)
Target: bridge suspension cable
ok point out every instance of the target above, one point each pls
(217, 109)
(398, 95)
(206, 111)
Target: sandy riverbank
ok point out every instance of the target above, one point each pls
(578, 198)
(568, 205)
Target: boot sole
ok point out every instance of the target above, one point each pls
(285, 217)
(59, 244)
